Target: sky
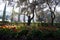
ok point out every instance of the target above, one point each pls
(9, 9)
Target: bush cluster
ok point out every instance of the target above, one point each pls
(9, 34)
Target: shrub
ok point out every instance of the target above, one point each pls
(22, 35)
(57, 34)
(44, 24)
(35, 35)
(47, 35)
(7, 34)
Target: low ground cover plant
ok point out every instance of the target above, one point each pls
(29, 34)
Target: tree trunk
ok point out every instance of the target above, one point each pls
(33, 20)
(12, 18)
(19, 14)
(24, 17)
(4, 13)
(18, 17)
(29, 21)
(12, 14)
(29, 18)
(52, 18)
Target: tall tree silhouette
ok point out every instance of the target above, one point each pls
(19, 3)
(49, 3)
(4, 13)
(33, 6)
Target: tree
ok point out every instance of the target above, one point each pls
(4, 13)
(23, 12)
(11, 3)
(39, 10)
(50, 3)
(19, 5)
(12, 14)
(32, 6)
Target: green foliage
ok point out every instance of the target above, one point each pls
(24, 34)
(22, 28)
(7, 32)
(34, 34)
(57, 34)
(44, 24)
(37, 33)
(57, 25)
(5, 22)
